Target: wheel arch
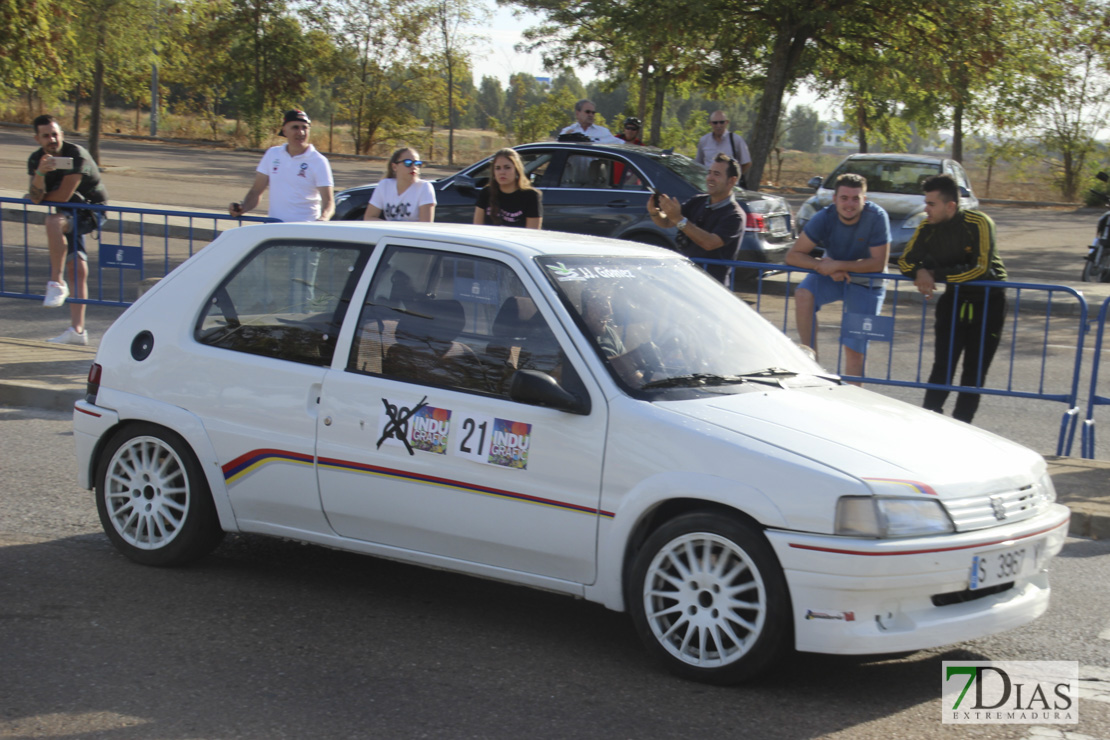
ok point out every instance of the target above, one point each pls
(135, 410)
(659, 500)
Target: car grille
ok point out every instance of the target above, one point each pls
(980, 512)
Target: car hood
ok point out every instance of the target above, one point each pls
(874, 438)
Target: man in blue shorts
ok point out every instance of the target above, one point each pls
(855, 236)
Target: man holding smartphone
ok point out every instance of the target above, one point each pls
(62, 172)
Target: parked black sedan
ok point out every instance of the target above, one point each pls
(602, 190)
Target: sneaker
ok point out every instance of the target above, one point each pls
(70, 336)
(56, 294)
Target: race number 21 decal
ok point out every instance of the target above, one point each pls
(492, 441)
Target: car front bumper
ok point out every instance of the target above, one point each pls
(853, 596)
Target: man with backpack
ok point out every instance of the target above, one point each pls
(720, 140)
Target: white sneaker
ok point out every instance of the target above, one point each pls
(56, 294)
(70, 336)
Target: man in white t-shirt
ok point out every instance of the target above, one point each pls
(298, 176)
(584, 112)
(720, 140)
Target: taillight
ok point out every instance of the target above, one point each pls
(756, 222)
(93, 385)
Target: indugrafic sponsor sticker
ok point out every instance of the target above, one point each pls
(1010, 692)
(509, 445)
(431, 429)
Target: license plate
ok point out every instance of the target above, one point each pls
(778, 225)
(1004, 566)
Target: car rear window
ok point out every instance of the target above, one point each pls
(887, 176)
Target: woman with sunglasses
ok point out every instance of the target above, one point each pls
(402, 195)
(509, 199)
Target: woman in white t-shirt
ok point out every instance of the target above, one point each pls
(402, 195)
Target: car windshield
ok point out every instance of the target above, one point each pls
(665, 324)
(887, 175)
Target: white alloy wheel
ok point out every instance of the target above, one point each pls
(711, 597)
(152, 498)
(147, 493)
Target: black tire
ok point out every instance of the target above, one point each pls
(152, 497)
(678, 599)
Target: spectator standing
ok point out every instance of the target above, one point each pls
(509, 199)
(54, 181)
(956, 246)
(711, 224)
(630, 133)
(298, 176)
(855, 236)
(584, 113)
(720, 140)
(402, 195)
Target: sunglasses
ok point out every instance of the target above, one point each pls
(410, 162)
(718, 123)
(589, 112)
(631, 128)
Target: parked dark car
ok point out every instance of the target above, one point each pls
(603, 190)
(893, 182)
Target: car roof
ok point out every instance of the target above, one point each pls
(524, 243)
(922, 158)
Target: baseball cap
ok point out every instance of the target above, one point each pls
(294, 115)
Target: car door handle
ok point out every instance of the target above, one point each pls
(618, 203)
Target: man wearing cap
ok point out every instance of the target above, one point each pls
(299, 177)
(720, 140)
(631, 132)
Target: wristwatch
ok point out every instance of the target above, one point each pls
(681, 225)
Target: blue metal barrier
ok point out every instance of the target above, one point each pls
(1087, 443)
(1036, 311)
(135, 244)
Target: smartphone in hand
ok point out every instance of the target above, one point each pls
(63, 163)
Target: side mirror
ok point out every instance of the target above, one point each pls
(540, 389)
(465, 185)
(964, 192)
(815, 182)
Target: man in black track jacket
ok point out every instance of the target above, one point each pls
(956, 246)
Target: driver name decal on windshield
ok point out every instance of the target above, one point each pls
(566, 274)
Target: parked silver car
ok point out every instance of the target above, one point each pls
(893, 182)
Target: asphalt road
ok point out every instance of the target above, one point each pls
(269, 639)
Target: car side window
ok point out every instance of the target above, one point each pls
(535, 167)
(451, 320)
(287, 300)
(588, 171)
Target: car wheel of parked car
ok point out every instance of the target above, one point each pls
(709, 599)
(153, 499)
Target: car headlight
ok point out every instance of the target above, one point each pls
(883, 518)
(914, 221)
(1047, 489)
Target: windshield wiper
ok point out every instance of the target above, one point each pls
(694, 380)
(771, 372)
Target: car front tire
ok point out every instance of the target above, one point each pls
(153, 500)
(709, 599)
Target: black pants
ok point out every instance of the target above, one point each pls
(960, 323)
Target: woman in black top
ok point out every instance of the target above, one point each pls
(509, 199)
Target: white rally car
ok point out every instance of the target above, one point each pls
(582, 415)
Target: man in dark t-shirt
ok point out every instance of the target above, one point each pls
(62, 172)
(711, 225)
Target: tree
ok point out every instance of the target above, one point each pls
(452, 51)
(35, 39)
(379, 62)
(490, 103)
(804, 129)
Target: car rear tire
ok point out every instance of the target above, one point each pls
(152, 497)
(709, 599)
